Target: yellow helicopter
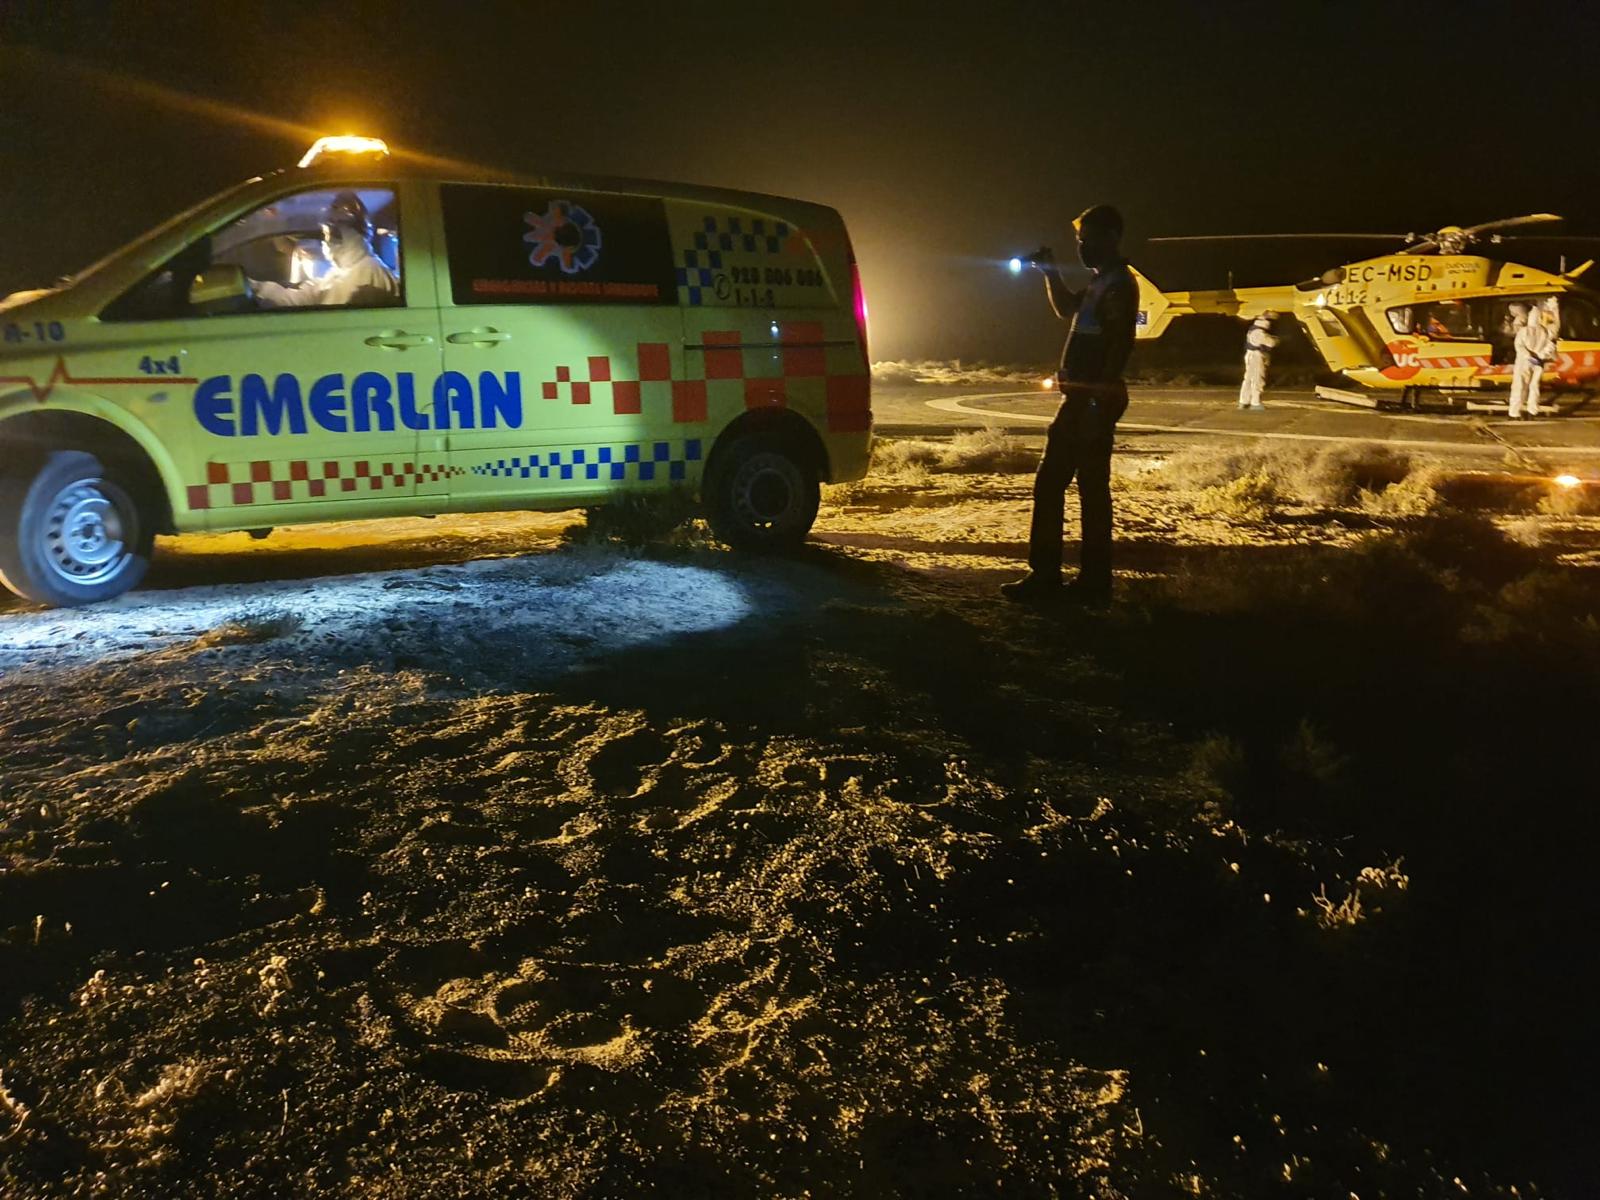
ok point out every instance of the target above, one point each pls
(1432, 321)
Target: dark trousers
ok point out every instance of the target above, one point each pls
(1079, 446)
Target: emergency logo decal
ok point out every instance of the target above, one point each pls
(515, 245)
(566, 233)
(1406, 362)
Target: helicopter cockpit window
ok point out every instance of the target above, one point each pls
(1442, 320)
(1400, 319)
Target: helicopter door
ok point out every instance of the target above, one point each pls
(1501, 323)
(1333, 341)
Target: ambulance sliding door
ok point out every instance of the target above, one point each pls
(562, 337)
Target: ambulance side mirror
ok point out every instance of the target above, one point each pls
(221, 288)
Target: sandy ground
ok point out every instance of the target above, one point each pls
(441, 859)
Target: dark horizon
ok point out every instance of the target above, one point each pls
(947, 144)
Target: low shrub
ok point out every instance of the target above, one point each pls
(974, 452)
(987, 451)
(251, 629)
(1580, 501)
(1250, 497)
(1552, 606)
(1339, 475)
(637, 519)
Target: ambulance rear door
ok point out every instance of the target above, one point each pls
(767, 316)
(562, 339)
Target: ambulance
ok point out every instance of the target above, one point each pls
(358, 337)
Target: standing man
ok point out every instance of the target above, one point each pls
(1093, 398)
(1536, 349)
(1258, 344)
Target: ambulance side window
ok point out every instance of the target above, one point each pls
(326, 248)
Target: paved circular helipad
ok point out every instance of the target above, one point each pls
(1298, 416)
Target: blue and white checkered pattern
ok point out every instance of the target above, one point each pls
(752, 235)
(641, 461)
(693, 277)
(761, 235)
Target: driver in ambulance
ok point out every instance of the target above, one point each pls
(356, 276)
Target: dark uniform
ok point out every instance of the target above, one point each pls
(1093, 399)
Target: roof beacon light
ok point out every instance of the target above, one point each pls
(344, 143)
(1568, 481)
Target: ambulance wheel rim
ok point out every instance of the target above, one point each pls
(766, 491)
(85, 532)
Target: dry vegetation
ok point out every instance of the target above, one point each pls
(1267, 883)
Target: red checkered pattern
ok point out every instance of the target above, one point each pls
(800, 361)
(799, 372)
(627, 396)
(232, 485)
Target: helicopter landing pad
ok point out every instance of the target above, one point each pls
(1165, 414)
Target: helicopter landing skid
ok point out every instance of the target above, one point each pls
(1360, 399)
(1437, 399)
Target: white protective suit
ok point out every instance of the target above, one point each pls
(1536, 349)
(358, 278)
(1258, 344)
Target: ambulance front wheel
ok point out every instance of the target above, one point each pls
(764, 494)
(71, 530)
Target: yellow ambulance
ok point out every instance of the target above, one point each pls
(356, 337)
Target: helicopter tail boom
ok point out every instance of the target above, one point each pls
(1157, 308)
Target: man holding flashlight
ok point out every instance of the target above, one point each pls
(1093, 399)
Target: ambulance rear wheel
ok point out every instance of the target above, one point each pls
(71, 530)
(763, 496)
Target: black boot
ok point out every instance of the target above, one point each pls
(1033, 588)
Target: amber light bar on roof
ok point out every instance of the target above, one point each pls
(344, 143)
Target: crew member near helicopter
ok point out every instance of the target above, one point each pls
(1093, 398)
(1503, 346)
(1536, 349)
(1258, 344)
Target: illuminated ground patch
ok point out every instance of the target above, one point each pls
(543, 610)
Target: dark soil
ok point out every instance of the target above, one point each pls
(1253, 886)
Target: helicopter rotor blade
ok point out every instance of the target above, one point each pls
(1546, 237)
(1512, 223)
(1256, 237)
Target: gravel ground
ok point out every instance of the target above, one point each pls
(573, 872)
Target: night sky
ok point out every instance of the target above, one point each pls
(949, 136)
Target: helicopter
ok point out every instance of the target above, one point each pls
(1428, 322)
